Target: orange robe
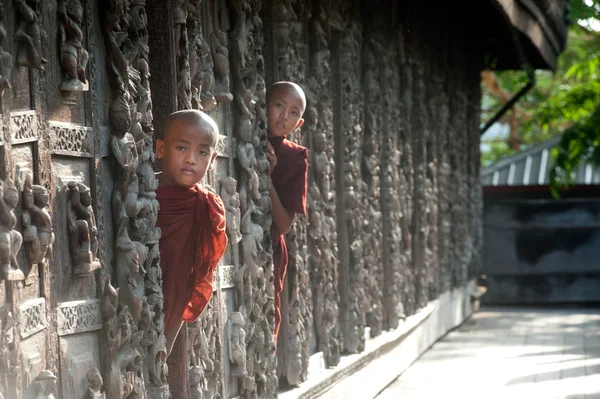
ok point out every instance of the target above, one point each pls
(193, 240)
(289, 178)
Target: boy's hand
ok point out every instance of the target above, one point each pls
(271, 157)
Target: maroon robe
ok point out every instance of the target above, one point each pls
(193, 240)
(289, 178)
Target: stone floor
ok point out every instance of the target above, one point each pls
(510, 353)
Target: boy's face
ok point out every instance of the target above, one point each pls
(187, 153)
(284, 112)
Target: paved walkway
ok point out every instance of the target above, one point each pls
(510, 353)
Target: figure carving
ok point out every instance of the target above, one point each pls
(73, 57)
(95, 382)
(10, 239)
(221, 61)
(136, 312)
(82, 229)
(43, 386)
(204, 77)
(322, 204)
(38, 234)
(6, 60)
(231, 199)
(29, 34)
(237, 348)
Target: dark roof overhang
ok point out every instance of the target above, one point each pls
(540, 27)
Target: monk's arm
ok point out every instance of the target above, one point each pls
(282, 218)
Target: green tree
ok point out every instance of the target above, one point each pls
(565, 102)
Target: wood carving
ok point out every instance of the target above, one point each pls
(29, 34)
(38, 234)
(372, 227)
(6, 60)
(10, 239)
(43, 386)
(8, 354)
(95, 383)
(73, 55)
(137, 365)
(321, 199)
(83, 233)
(293, 352)
(220, 55)
(353, 195)
(254, 286)
(395, 231)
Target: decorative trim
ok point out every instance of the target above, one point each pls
(71, 140)
(224, 147)
(32, 317)
(23, 127)
(227, 276)
(79, 316)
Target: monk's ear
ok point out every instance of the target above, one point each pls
(160, 149)
(211, 165)
(299, 124)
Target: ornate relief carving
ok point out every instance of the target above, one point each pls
(10, 239)
(6, 60)
(293, 343)
(204, 351)
(136, 312)
(372, 227)
(79, 316)
(23, 127)
(8, 354)
(226, 276)
(220, 55)
(225, 146)
(38, 234)
(71, 140)
(353, 195)
(73, 56)
(32, 317)
(237, 345)
(201, 63)
(83, 233)
(395, 228)
(254, 286)
(29, 34)
(322, 230)
(44, 386)
(95, 382)
(231, 199)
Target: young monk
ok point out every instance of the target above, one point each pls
(191, 218)
(286, 103)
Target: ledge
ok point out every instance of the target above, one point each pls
(388, 355)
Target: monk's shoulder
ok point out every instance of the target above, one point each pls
(294, 150)
(212, 199)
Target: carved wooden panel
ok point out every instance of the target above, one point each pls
(135, 312)
(391, 127)
(322, 210)
(256, 376)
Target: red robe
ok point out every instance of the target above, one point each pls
(289, 178)
(193, 240)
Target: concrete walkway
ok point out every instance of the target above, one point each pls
(510, 353)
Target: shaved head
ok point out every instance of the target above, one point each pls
(288, 87)
(192, 117)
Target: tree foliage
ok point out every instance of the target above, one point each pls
(566, 102)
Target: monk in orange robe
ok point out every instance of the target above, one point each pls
(191, 218)
(286, 103)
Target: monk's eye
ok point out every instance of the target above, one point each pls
(180, 148)
(203, 153)
(278, 105)
(295, 113)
